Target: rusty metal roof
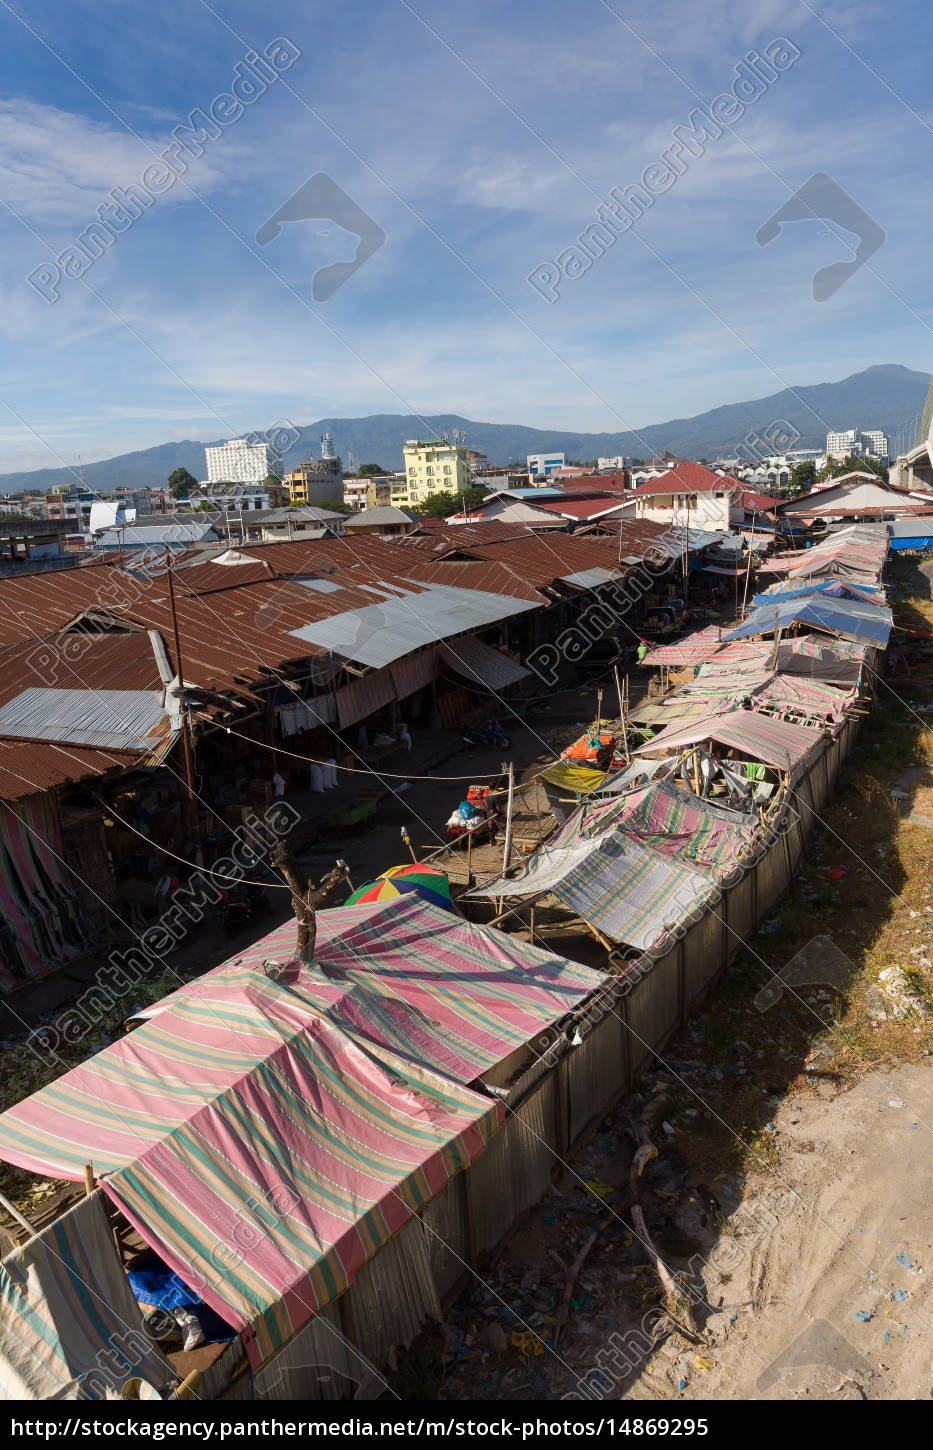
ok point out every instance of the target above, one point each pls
(29, 767)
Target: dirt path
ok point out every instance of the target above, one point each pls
(823, 1291)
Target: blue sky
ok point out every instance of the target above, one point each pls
(480, 139)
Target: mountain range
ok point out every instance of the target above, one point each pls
(886, 396)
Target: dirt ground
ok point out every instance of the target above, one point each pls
(821, 1276)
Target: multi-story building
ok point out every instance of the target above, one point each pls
(858, 443)
(479, 463)
(370, 491)
(317, 478)
(431, 466)
(68, 502)
(878, 445)
(239, 461)
(542, 465)
(615, 464)
(236, 498)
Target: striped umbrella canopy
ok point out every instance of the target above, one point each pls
(427, 881)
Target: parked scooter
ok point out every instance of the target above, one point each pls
(240, 903)
(492, 734)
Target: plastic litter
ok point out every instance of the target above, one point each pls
(862, 1315)
(598, 1188)
(703, 1364)
(899, 1295)
(904, 1260)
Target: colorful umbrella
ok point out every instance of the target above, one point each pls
(430, 883)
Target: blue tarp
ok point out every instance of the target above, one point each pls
(836, 588)
(847, 617)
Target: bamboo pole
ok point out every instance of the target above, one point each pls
(507, 842)
(15, 1214)
(615, 671)
(89, 1184)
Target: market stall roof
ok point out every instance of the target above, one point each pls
(420, 980)
(848, 617)
(693, 649)
(668, 818)
(201, 1119)
(332, 1092)
(756, 736)
(477, 661)
(627, 891)
(379, 633)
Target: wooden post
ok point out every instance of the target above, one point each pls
(507, 842)
(407, 839)
(469, 859)
(306, 898)
(615, 671)
(89, 1184)
(185, 723)
(599, 707)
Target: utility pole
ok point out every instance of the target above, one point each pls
(185, 723)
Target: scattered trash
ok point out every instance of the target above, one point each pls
(681, 1384)
(598, 1188)
(899, 1295)
(836, 873)
(527, 1342)
(702, 1363)
(862, 1315)
(904, 1260)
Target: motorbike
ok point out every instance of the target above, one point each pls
(241, 903)
(487, 736)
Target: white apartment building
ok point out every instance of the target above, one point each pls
(878, 445)
(616, 464)
(239, 461)
(858, 441)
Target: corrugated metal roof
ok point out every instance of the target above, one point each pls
(144, 536)
(379, 633)
(475, 660)
(29, 767)
(117, 719)
(591, 578)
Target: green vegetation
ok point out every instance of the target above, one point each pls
(181, 483)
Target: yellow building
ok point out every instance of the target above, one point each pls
(431, 467)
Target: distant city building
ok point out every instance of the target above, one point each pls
(858, 443)
(615, 464)
(317, 478)
(382, 521)
(479, 463)
(542, 465)
(239, 461)
(370, 491)
(431, 466)
(878, 444)
(229, 497)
